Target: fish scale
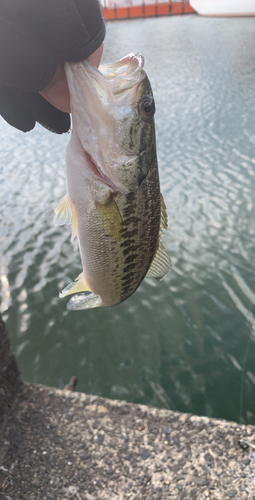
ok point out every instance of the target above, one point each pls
(147, 242)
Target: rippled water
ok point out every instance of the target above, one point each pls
(187, 342)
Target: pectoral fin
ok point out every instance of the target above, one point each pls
(63, 212)
(66, 213)
(111, 218)
(160, 265)
(79, 285)
(84, 301)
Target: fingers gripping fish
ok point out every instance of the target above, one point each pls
(113, 196)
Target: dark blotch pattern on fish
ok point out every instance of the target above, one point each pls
(140, 234)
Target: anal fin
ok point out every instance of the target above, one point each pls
(79, 285)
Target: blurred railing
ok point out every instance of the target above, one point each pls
(146, 9)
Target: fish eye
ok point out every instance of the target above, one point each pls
(147, 107)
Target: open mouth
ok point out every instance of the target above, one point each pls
(124, 74)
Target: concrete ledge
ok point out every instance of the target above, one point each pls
(62, 445)
(10, 380)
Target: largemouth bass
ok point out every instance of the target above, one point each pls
(113, 196)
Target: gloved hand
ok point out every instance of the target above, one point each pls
(34, 36)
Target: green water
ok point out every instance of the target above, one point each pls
(187, 342)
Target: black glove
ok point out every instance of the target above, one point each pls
(34, 35)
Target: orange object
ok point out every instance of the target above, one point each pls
(122, 12)
(108, 13)
(177, 8)
(136, 11)
(188, 9)
(149, 10)
(162, 9)
(143, 10)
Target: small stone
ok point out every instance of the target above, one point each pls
(147, 477)
(232, 494)
(243, 445)
(102, 409)
(166, 431)
(201, 481)
(91, 407)
(193, 494)
(247, 461)
(209, 460)
(144, 453)
(176, 441)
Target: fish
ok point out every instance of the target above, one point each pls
(113, 198)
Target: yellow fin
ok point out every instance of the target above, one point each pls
(79, 285)
(111, 218)
(163, 219)
(63, 212)
(160, 265)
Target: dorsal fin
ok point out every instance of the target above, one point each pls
(163, 218)
(160, 265)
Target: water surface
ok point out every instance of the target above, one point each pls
(187, 342)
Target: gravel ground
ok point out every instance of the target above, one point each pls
(65, 445)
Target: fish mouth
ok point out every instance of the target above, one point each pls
(125, 73)
(113, 78)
